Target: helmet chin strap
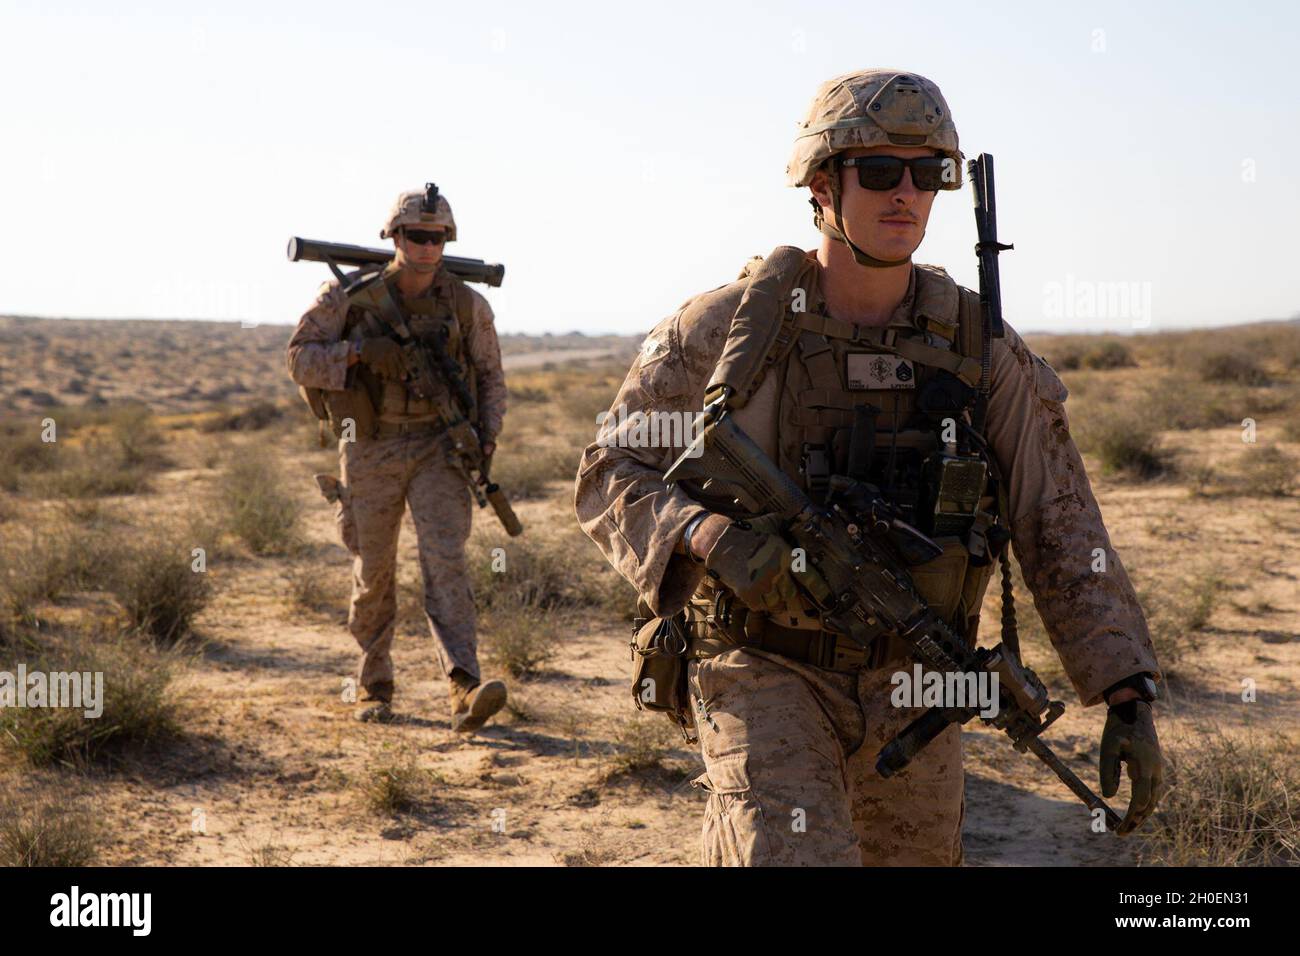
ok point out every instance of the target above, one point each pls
(859, 255)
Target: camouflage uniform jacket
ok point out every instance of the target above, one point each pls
(1093, 618)
(317, 355)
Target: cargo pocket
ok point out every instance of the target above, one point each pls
(940, 581)
(734, 831)
(346, 521)
(1051, 391)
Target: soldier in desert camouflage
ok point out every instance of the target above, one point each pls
(789, 746)
(399, 456)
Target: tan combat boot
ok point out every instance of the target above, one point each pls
(472, 702)
(376, 707)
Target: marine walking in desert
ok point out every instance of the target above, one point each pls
(851, 367)
(353, 354)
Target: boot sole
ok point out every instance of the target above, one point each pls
(490, 699)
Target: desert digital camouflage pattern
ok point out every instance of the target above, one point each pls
(871, 108)
(381, 476)
(789, 756)
(781, 735)
(408, 211)
(318, 358)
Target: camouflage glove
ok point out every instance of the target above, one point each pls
(384, 356)
(1130, 736)
(754, 561)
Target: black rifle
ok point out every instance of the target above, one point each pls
(335, 254)
(442, 382)
(861, 549)
(987, 247)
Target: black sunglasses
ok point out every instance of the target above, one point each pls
(930, 173)
(423, 236)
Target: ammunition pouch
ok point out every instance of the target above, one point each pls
(336, 408)
(940, 581)
(659, 647)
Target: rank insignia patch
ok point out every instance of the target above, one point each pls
(867, 370)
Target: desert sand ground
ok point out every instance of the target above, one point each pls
(266, 765)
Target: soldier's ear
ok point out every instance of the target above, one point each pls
(820, 186)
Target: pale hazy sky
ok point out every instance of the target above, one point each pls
(619, 158)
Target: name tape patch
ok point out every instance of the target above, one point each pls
(867, 370)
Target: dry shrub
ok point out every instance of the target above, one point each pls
(1127, 442)
(1262, 472)
(138, 704)
(24, 454)
(548, 573)
(41, 564)
(251, 419)
(110, 451)
(48, 830)
(1177, 612)
(1108, 354)
(1238, 368)
(394, 786)
(310, 591)
(159, 588)
(267, 853)
(520, 640)
(1269, 472)
(640, 742)
(527, 470)
(1233, 802)
(256, 507)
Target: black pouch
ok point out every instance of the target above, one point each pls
(659, 666)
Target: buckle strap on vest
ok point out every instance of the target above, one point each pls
(964, 367)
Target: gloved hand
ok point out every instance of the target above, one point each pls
(1130, 736)
(755, 561)
(384, 356)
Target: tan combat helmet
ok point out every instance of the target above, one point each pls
(420, 208)
(870, 108)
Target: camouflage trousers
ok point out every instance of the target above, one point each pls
(380, 478)
(789, 754)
